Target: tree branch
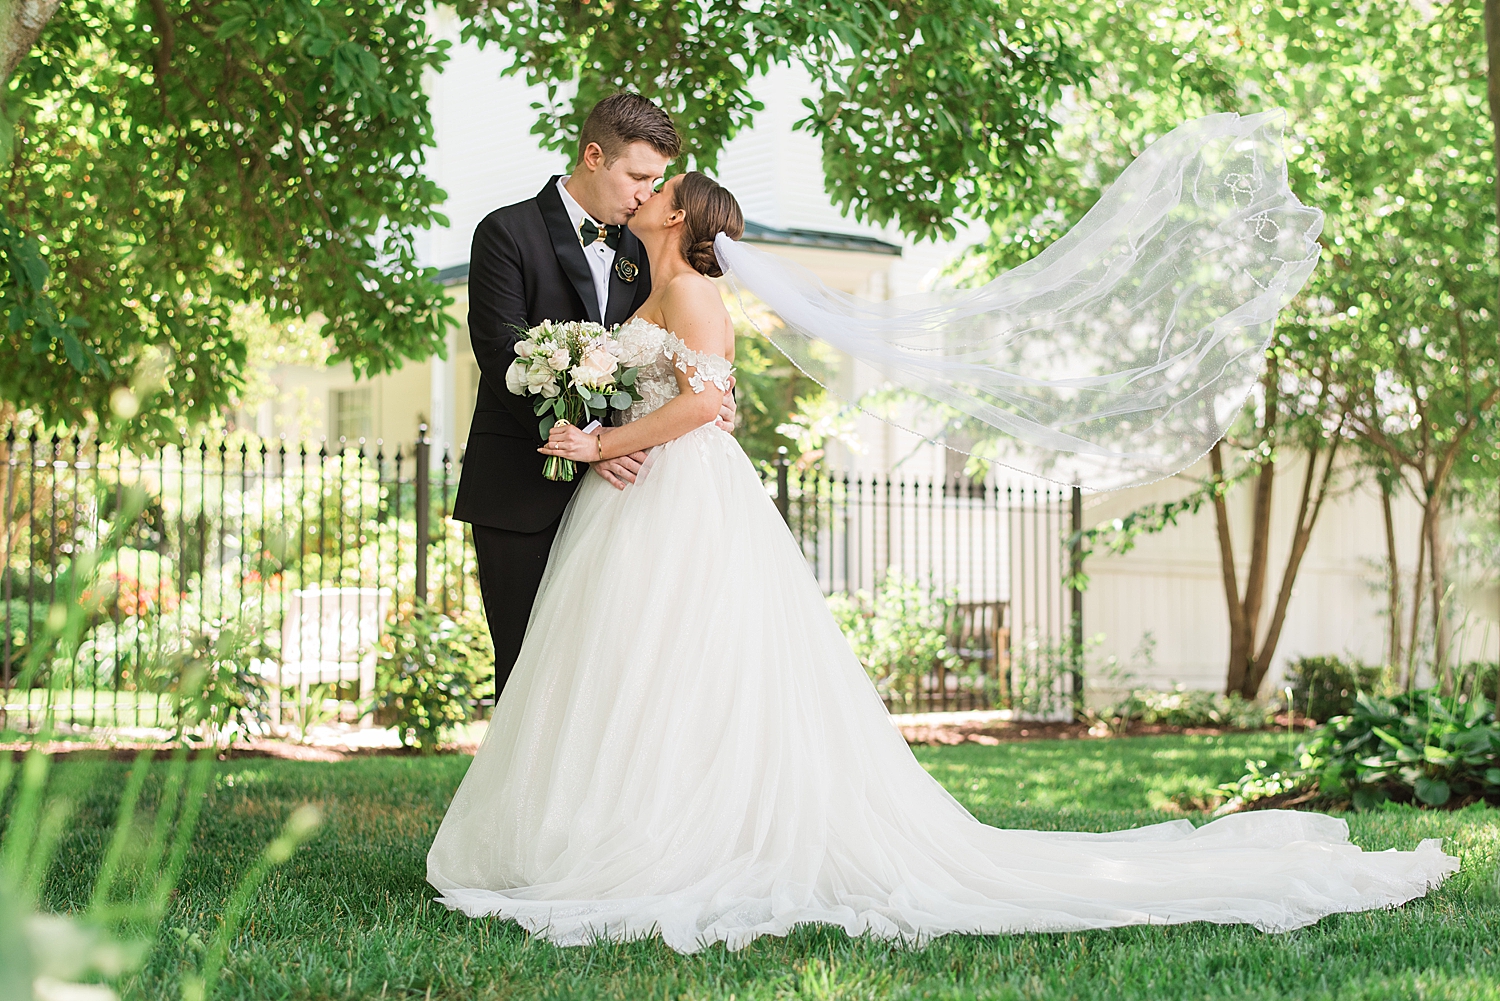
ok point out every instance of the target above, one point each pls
(23, 24)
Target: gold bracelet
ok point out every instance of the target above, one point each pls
(600, 439)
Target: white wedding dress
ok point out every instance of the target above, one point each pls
(688, 747)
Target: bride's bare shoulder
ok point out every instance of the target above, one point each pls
(693, 291)
(695, 312)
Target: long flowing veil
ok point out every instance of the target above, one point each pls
(1115, 357)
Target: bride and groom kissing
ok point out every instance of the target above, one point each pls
(683, 743)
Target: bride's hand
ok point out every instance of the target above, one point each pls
(569, 442)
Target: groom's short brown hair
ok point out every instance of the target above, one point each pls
(625, 118)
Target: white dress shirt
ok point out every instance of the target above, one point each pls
(601, 256)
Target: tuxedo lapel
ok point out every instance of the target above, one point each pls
(630, 259)
(569, 251)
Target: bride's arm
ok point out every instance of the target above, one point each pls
(695, 314)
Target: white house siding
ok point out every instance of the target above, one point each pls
(1170, 585)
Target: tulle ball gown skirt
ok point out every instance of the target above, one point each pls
(687, 747)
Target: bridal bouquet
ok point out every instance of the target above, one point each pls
(573, 369)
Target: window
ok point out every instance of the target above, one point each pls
(352, 414)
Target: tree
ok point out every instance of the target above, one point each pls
(1408, 295)
(925, 110)
(1383, 136)
(173, 159)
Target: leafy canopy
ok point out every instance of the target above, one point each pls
(174, 159)
(925, 110)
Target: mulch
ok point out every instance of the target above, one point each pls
(1008, 732)
(922, 734)
(284, 750)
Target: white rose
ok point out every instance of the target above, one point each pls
(515, 378)
(540, 381)
(601, 360)
(597, 369)
(524, 349)
(559, 360)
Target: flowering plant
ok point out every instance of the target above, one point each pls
(574, 371)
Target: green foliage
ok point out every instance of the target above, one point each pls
(172, 161)
(1325, 687)
(1181, 707)
(221, 696)
(779, 405)
(899, 634)
(433, 670)
(924, 111)
(1119, 535)
(1042, 676)
(1419, 748)
(111, 926)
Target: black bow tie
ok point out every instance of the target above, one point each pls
(590, 233)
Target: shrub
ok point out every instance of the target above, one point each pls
(899, 634)
(1420, 748)
(1479, 678)
(221, 697)
(1183, 707)
(1325, 687)
(432, 671)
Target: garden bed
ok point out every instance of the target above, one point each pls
(340, 744)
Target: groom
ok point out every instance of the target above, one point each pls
(564, 255)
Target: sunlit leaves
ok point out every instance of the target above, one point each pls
(264, 151)
(924, 111)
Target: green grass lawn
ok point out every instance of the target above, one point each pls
(350, 916)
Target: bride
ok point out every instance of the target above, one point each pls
(687, 746)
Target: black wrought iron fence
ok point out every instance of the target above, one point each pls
(312, 544)
(953, 592)
(984, 563)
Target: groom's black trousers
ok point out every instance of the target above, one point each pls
(510, 571)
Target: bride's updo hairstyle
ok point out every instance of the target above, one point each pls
(710, 210)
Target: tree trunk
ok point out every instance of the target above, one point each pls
(1308, 508)
(1240, 650)
(21, 22)
(1392, 580)
(1417, 594)
(1442, 671)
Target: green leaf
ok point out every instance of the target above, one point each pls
(231, 26)
(542, 404)
(545, 426)
(621, 401)
(627, 377)
(597, 401)
(1433, 792)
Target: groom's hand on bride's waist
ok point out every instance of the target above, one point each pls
(725, 420)
(622, 471)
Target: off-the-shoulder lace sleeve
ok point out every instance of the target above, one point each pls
(705, 367)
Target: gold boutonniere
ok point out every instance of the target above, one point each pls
(627, 269)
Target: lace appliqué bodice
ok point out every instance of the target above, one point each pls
(655, 352)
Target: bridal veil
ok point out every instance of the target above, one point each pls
(1117, 356)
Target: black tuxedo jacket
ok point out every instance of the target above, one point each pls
(527, 266)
